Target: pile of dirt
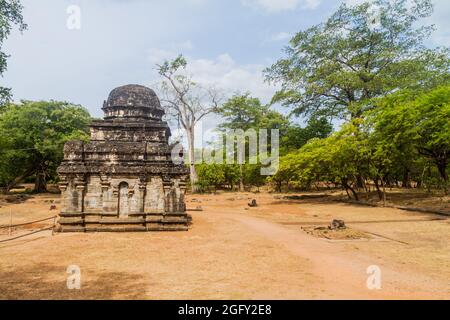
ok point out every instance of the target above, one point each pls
(336, 234)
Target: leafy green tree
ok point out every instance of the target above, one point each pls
(231, 174)
(337, 160)
(406, 133)
(10, 15)
(210, 175)
(337, 67)
(244, 112)
(411, 124)
(288, 171)
(296, 136)
(32, 138)
(252, 175)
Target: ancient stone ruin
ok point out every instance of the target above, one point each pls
(124, 178)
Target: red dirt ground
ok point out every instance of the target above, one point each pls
(233, 252)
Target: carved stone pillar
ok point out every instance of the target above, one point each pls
(80, 187)
(105, 187)
(63, 185)
(80, 190)
(181, 202)
(142, 193)
(167, 185)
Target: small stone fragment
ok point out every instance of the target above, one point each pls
(337, 225)
(253, 204)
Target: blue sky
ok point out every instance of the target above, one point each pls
(227, 42)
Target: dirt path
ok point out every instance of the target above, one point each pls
(344, 272)
(233, 252)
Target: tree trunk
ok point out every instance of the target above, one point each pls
(40, 184)
(279, 184)
(354, 193)
(406, 182)
(383, 184)
(377, 186)
(348, 194)
(360, 183)
(241, 178)
(348, 187)
(429, 179)
(419, 184)
(193, 171)
(18, 180)
(442, 171)
(442, 167)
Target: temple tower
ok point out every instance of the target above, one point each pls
(124, 178)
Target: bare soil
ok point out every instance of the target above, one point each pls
(233, 252)
(338, 234)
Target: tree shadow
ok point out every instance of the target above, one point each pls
(38, 283)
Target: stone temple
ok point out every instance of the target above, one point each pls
(124, 178)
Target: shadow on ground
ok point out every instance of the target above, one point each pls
(46, 282)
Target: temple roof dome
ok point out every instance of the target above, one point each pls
(133, 95)
(134, 101)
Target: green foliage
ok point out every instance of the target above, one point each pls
(171, 67)
(252, 175)
(399, 140)
(210, 176)
(337, 67)
(407, 125)
(231, 175)
(336, 159)
(10, 15)
(245, 112)
(296, 136)
(32, 137)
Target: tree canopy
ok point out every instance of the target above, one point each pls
(32, 137)
(242, 111)
(337, 67)
(10, 15)
(406, 137)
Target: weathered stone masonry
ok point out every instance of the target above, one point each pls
(123, 179)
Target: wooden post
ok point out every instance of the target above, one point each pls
(54, 225)
(10, 221)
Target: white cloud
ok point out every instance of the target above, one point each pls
(226, 74)
(157, 55)
(273, 6)
(441, 37)
(222, 72)
(280, 36)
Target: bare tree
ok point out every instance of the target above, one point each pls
(187, 102)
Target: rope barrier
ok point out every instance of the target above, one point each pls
(27, 234)
(26, 223)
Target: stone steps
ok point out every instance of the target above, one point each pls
(121, 228)
(133, 223)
